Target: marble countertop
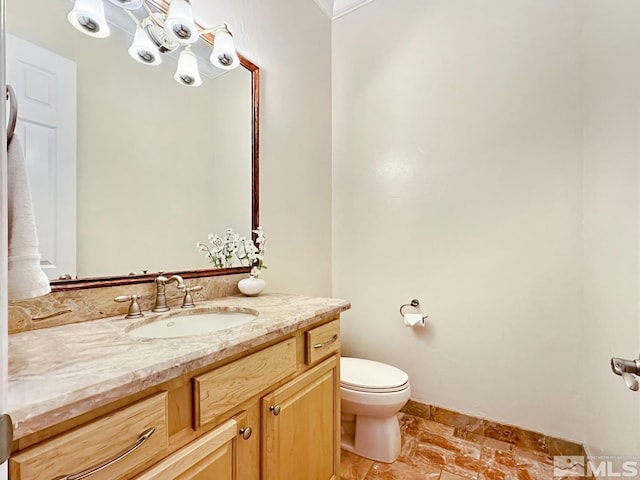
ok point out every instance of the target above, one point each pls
(58, 373)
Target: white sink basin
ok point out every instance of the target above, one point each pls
(188, 324)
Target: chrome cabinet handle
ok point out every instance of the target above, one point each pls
(275, 409)
(328, 342)
(144, 436)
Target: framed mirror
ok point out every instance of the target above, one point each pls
(158, 166)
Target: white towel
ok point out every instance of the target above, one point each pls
(26, 278)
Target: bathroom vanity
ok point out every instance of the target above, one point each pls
(260, 400)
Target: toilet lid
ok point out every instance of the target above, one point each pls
(369, 376)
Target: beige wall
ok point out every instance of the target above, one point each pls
(458, 181)
(461, 177)
(611, 152)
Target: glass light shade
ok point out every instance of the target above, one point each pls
(180, 24)
(187, 73)
(128, 4)
(224, 54)
(88, 17)
(143, 49)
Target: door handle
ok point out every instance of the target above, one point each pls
(6, 437)
(628, 370)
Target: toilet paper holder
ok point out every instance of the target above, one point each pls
(415, 303)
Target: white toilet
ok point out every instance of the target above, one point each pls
(372, 395)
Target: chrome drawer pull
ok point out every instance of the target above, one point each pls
(144, 436)
(328, 342)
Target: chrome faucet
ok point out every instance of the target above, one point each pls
(161, 297)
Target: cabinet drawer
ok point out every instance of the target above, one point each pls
(322, 341)
(210, 456)
(98, 442)
(223, 388)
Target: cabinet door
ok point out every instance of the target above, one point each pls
(301, 423)
(212, 456)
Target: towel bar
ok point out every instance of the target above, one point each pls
(13, 112)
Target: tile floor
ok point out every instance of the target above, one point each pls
(435, 451)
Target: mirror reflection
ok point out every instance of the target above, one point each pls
(125, 164)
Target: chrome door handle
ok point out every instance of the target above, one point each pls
(13, 112)
(628, 370)
(144, 436)
(6, 437)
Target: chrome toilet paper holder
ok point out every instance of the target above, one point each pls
(415, 303)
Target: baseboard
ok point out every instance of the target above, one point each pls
(512, 434)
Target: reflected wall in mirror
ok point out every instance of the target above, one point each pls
(159, 165)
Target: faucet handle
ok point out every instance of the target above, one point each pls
(188, 299)
(134, 309)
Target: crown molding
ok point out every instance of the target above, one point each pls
(338, 8)
(326, 6)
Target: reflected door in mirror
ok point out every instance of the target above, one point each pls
(45, 85)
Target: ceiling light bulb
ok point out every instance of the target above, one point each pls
(224, 54)
(143, 49)
(180, 24)
(128, 4)
(88, 17)
(187, 73)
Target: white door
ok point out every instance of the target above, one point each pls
(45, 84)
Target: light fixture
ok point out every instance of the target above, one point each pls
(187, 73)
(88, 17)
(143, 49)
(180, 23)
(158, 33)
(224, 54)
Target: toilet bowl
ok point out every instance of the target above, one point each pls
(372, 394)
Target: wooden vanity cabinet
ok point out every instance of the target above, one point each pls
(299, 422)
(92, 444)
(272, 413)
(215, 455)
(218, 391)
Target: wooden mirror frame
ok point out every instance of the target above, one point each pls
(96, 282)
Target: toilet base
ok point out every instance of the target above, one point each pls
(376, 438)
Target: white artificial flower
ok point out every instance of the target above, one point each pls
(222, 250)
(217, 243)
(259, 234)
